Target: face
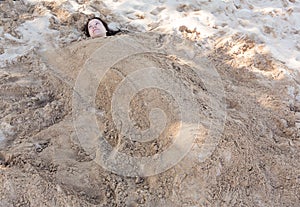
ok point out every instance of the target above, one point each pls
(96, 28)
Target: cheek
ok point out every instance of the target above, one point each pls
(90, 30)
(101, 27)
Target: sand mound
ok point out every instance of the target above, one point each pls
(242, 128)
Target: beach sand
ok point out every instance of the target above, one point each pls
(235, 64)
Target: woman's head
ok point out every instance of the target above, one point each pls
(96, 27)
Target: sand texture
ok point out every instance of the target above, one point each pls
(65, 104)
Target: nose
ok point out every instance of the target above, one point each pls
(94, 26)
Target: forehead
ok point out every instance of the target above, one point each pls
(93, 21)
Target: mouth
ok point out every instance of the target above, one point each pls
(94, 30)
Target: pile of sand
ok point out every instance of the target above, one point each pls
(245, 149)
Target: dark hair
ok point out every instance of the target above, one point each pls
(109, 32)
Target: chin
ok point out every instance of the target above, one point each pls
(99, 35)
